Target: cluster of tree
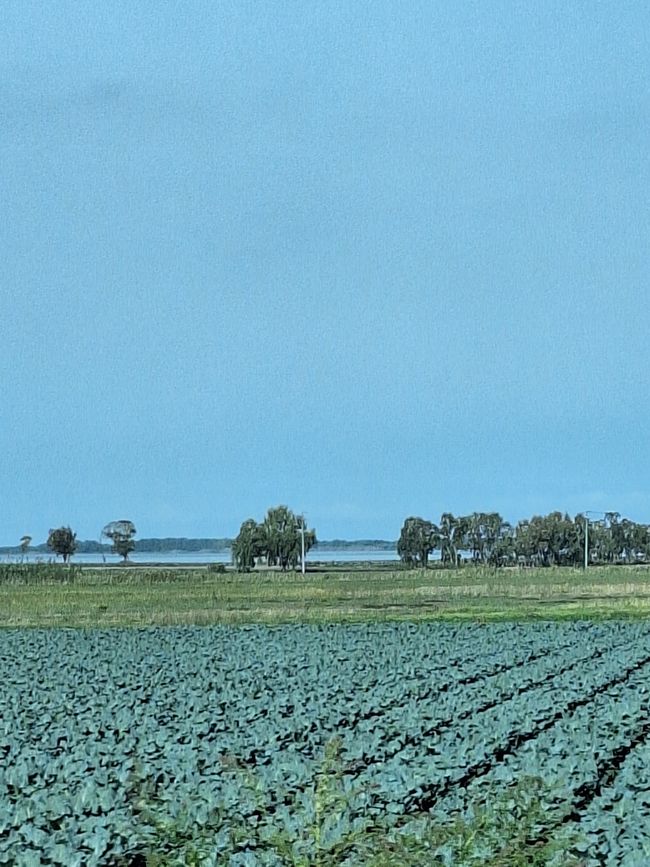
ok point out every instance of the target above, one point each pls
(544, 540)
(278, 541)
(63, 541)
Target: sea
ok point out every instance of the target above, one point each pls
(189, 558)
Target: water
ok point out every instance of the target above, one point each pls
(181, 558)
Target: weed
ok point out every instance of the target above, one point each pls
(327, 827)
(516, 829)
(39, 573)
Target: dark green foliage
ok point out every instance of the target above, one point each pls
(277, 540)
(543, 540)
(452, 538)
(248, 546)
(63, 542)
(417, 540)
(282, 537)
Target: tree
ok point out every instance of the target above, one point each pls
(121, 534)
(632, 540)
(249, 545)
(453, 537)
(417, 540)
(25, 542)
(483, 533)
(63, 542)
(282, 538)
(550, 540)
(504, 553)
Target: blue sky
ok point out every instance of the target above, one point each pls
(368, 259)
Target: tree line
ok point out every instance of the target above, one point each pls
(484, 538)
(281, 539)
(556, 539)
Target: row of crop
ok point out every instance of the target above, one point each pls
(165, 687)
(389, 730)
(353, 698)
(464, 673)
(439, 760)
(173, 710)
(616, 823)
(262, 731)
(572, 756)
(364, 709)
(237, 690)
(406, 649)
(398, 778)
(366, 681)
(430, 767)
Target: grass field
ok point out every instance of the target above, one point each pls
(148, 596)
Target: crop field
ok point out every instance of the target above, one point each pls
(221, 731)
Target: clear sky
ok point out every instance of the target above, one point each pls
(368, 259)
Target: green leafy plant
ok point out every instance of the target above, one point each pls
(328, 828)
(516, 828)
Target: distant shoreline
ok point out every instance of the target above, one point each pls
(199, 546)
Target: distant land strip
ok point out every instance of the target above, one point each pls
(209, 545)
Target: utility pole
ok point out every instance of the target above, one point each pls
(302, 544)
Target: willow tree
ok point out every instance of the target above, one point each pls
(483, 534)
(453, 537)
(282, 537)
(248, 546)
(418, 539)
